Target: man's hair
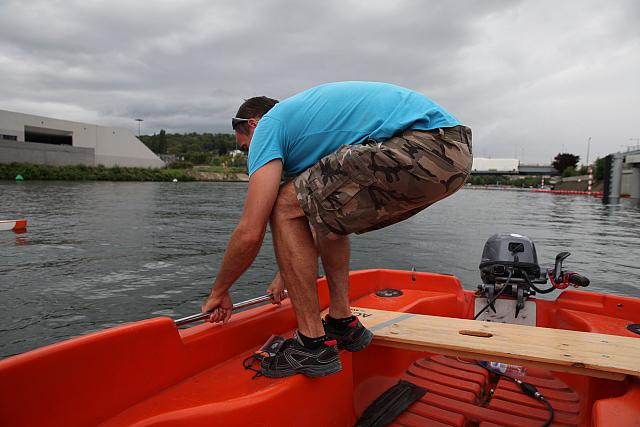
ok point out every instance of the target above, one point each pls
(255, 107)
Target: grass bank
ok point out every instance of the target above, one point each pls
(89, 173)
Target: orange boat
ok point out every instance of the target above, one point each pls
(152, 373)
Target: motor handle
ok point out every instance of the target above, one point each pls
(557, 270)
(578, 280)
(571, 278)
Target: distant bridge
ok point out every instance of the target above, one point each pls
(485, 166)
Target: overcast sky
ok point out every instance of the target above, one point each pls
(532, 78)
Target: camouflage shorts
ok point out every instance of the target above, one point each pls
(365, 187)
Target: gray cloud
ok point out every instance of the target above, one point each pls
(530, 77)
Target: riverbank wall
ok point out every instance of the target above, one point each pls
(219, 176)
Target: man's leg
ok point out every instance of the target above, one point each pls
(297, 259)
(310, 352)
(335, 260)
(341, 325)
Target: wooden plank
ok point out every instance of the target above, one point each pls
(584, 353)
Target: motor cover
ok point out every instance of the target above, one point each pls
(508, 252)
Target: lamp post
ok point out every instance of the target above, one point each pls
(139, 120)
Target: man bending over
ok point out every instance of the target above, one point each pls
(356, 156)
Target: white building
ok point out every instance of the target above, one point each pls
(506, 166)
(26, 138)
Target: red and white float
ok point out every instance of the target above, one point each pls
(13, 224)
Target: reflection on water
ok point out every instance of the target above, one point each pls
(99, 254)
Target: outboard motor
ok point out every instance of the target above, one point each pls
(508, 254)
(510, 260)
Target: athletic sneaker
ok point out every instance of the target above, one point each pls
(293, 358)
(353, 337)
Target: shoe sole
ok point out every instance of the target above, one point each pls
(359, 345)
(312, 372)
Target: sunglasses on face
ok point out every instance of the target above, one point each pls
(235, 121)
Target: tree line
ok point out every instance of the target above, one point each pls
(196, 148)
(567, 165)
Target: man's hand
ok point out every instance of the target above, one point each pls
(276, 289)
(219, 305)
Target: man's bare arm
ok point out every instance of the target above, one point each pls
(246, 240)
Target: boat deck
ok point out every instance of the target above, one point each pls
(460, 393)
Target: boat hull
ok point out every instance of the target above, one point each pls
(149, 373)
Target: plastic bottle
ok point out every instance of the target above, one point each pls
(514, 371)
(498, 367)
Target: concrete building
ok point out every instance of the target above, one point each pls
(26, 138)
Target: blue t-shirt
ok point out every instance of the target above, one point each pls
(312, 124)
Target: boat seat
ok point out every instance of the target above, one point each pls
(591, 354)
(228, 391)
(624, 409)
(415, 301)
(589, 322)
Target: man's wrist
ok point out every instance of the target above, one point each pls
(217, 290)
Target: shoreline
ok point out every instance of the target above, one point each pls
(598, 194)
(33, 172)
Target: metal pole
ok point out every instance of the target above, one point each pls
(237, 306)
(588, 149)
(139, 120)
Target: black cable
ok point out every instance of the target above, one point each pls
(551, 412)
(528, 389)
(537, 289)
(531, 391)
(490, 303)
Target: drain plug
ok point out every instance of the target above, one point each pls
(389, 293)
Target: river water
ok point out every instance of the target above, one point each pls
(97, 254)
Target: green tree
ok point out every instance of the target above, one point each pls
(183, 144)
(564, 160)
(162, 142)
(151, 141)
(598, 171)
(198, 157)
